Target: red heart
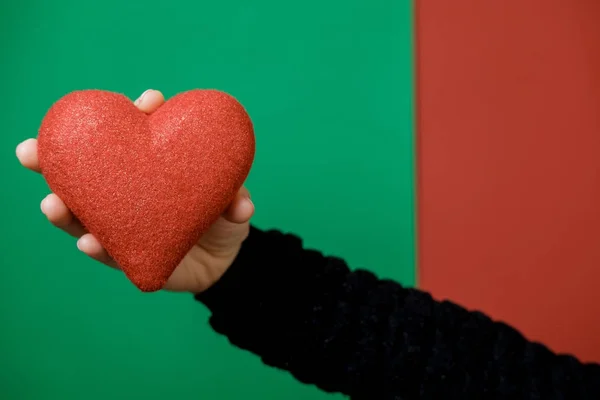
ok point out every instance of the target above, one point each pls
(146, 186)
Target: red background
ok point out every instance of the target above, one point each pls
(509, 163)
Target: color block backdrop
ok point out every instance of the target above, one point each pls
(509, 162)
(507, 99)
(329, 87)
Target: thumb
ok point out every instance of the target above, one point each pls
(231, 229)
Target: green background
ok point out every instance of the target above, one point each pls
(329, 87)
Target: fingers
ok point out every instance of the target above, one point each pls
(149, 101)
(244, 192)
(89, 245)
(28, 155)
(60, 216)
(241, 209)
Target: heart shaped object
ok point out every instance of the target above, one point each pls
(146, 186)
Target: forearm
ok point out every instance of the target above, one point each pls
(350, 332)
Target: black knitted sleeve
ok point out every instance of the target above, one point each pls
(353, 333)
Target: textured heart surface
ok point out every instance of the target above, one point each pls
(147, 186)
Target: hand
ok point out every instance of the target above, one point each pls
(206, 262)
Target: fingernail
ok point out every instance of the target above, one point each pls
(79, 244)
(42, 206)
(139, 100)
